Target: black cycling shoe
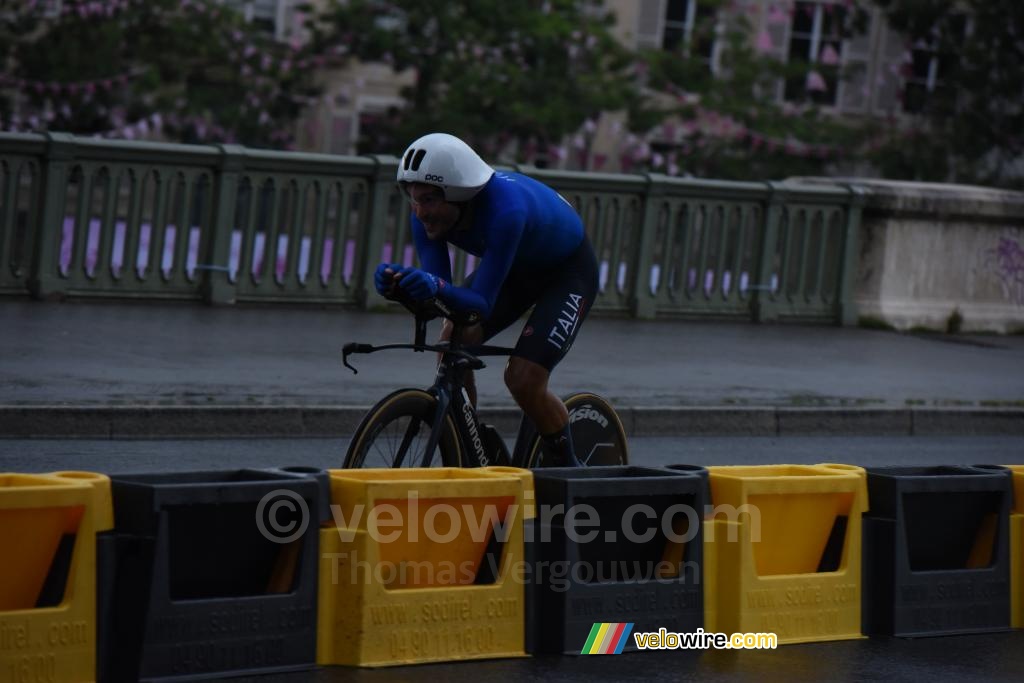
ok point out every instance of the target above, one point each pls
(557, 450)
(551, 459)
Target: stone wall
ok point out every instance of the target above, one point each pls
(940, 257)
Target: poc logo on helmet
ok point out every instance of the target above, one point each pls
(436, 178)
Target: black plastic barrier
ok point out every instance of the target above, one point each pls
(936, 551)
(212, 573)
(701, 472)
(634, 554)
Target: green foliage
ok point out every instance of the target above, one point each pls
(489, 71)
(977, 114)
(194, 69)
(733, 125)
(955, 322)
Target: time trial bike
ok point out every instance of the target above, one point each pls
(439, 426)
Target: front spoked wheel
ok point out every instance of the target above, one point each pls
(394, 433)
(597, 433)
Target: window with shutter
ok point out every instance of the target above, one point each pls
(689, 29)
(929, 66)
(777, 25)
(855, 86)
(650, 23)
(815, 36)
(887, 79)
(773, 40)
(679, 15)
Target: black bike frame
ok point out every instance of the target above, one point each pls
(448, 392)
(451, 398)
(479, 442)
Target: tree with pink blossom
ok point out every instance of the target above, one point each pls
(490, 71)
(180, 70)
(728, 120)
(964, 120)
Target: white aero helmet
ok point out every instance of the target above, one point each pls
(447, 162)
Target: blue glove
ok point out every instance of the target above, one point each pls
(419, 284)
(382, 280)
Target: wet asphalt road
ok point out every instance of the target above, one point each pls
(127, 354)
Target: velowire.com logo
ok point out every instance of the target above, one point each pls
(607, 639)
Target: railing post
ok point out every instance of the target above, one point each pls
(642, 302)
(217, 287)
(44, 280)
(762, 305)
(849, 258)
(381, 185)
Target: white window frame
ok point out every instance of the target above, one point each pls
(816, 40)
(932, 80)
(687, 26)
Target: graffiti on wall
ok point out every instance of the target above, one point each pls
(1006, 260)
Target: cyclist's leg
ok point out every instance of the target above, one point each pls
(514, 299)
(528, 383)
(545, 340)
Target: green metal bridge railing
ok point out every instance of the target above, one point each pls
(82, 217)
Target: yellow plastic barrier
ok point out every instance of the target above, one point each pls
(1017, 549)
(48, 608)
(410, 572)
(783, 551)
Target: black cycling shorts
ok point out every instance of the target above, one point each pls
(561, 297)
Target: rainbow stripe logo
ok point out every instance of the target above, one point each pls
(607, 639)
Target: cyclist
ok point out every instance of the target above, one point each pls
(533, 252)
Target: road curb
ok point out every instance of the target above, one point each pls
(699, 421)
(840, 421)
(291, 421)
(939, 422)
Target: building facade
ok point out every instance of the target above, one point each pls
(354, 98)
(885, 75)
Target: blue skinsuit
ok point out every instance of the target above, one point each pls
(517, 222)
